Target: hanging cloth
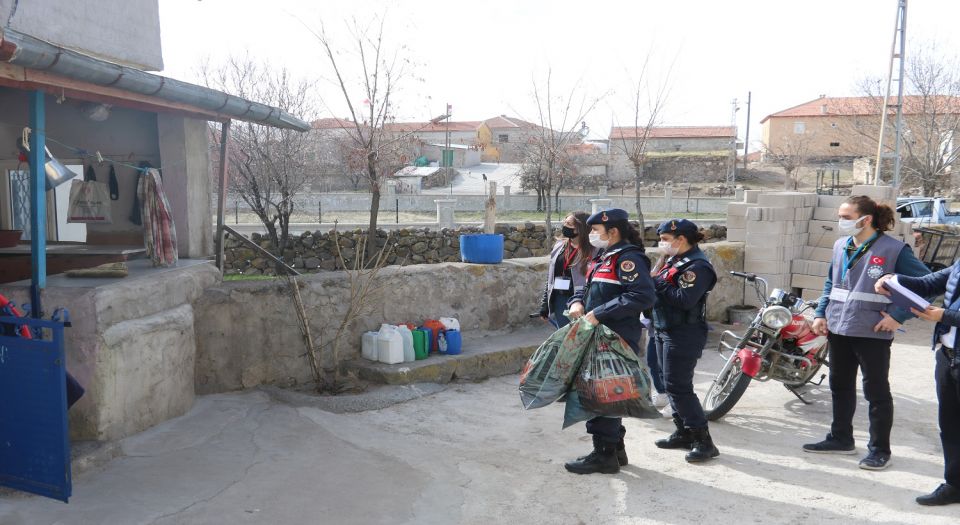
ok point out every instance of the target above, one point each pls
(159, 232)
(135, 216)
(114, 185)
(90, 175)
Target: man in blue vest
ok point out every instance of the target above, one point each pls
(947, 372)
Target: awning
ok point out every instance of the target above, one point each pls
(46, 65)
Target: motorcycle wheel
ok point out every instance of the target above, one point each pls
(726, 390)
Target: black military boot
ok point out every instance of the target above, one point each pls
(681, 438)
(621, 451)
(603, 459)
(703, 448)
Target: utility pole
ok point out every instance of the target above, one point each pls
(897, 53)
(732, 172)
(746, 137)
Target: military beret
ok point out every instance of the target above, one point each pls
(678, 227)
(608, 216)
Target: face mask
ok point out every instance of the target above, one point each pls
(668, 248)
(849, 226)
(568, 232)
(597, 242)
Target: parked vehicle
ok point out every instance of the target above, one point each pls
(779, 344)
(926, 210)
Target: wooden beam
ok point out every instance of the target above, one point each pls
(222, 193)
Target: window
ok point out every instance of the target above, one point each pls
(799, 128)
(503, 139)
(923, 209)
(834, 144)
(906, 212)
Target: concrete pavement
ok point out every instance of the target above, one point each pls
(468, 453)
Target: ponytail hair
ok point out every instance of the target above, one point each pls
(882, 214)
(628, 233)
(693, 239)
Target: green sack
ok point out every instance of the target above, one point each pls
(550, 371)
(613, 380)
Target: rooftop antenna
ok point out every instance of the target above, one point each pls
(897, 50)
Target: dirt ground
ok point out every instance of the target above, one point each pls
(469, 454)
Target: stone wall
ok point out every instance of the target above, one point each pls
(247, 334)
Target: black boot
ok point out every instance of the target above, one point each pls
(621, 451)
(603, 459)
(703, 448)
(682, 438)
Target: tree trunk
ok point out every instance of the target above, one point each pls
(370, 245)
(787, 179)
(637, 178)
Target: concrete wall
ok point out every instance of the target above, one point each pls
(185, 158)
(132, 346)
(819, 133)
(247, 334)
(124, 31)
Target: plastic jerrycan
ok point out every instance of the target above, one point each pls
(368, 346)
(389, 345)
(454, 341)
(420, 346)
(407, 337)
(427, 336)
(450, 323)
(435, 328)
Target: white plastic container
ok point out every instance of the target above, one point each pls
(389, 345)
(368, 346)
(407, 335)
(450, 323)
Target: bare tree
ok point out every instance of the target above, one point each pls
(791, 155)
(268, 166)
(931, 115)
(646, 106)
(560, 122)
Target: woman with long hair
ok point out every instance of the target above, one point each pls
(860, 324)
(568, 268)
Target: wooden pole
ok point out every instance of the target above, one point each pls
(38, 201)
(222, 196)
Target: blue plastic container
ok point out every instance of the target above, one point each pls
(481, 248)
(454, 342)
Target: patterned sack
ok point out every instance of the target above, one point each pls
(613, 381)
(549, 372)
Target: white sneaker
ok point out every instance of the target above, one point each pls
(660, 400)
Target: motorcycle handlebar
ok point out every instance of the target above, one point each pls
(748, 276)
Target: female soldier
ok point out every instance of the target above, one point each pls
(679, 319)
(618, 289)
(860, 327)
(568, 268)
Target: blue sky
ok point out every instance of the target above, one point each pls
(482, 57)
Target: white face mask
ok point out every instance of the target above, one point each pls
(668, 248)
(849, 226)
(597, 242)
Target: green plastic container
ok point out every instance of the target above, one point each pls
(420, 348)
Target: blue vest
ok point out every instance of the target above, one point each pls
(948, 302)
(854, 307)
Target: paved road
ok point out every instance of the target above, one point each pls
(470, 454)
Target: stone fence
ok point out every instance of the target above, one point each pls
(247, 334)
(315, 251)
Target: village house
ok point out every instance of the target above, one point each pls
(674, 153)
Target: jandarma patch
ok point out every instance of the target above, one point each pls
(628, 266)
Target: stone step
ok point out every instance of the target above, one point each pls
(484, 355)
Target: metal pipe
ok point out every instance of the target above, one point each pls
(28, 52)
(38, 202)
(222, 193)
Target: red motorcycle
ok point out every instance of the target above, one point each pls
(779, 344)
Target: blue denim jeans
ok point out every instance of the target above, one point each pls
(653, 363)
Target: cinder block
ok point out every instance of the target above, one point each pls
(738, 209)
(734, 221)
(782, 200)
(775, 227)
(807, 281)
(736, 234)
(825, 214)
(877, 193)
(804, 214)
(822, 239)
(771, 267)
(811, 295)
(764, 240)
(808, 267)
(781, 281)
(751, 195)
(830, 201)
(812, 253)
(772, 253)
(816, 227)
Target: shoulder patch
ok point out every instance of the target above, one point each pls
(628, 266)
(687, 279)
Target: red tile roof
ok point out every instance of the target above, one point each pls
(861, 106)
(332, 123)
(505, 122)
(674, 132)
(408, 127)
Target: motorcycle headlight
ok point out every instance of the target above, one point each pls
(776, 317)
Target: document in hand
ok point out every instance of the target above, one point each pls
(903, 297)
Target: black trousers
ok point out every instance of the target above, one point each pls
(679, 349)
(610, 430)
(948, 394)
(872, 357)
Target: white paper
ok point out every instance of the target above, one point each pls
(561, 283)
(896, 288)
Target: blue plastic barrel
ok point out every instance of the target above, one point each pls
(454, 342)
(481, 248)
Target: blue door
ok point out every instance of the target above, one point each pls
(34, 441)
